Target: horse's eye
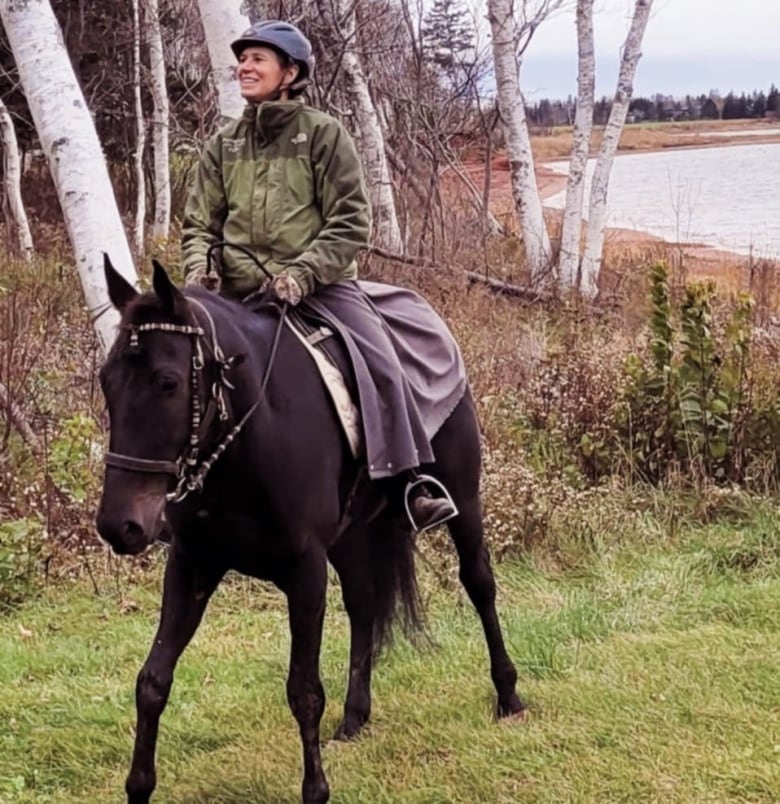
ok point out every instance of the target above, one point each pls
(166, 382)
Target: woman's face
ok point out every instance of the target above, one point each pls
(260, 74)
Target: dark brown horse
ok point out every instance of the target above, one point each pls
(224, 442)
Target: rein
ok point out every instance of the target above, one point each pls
(188, 471)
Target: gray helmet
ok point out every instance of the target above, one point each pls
(285, 38)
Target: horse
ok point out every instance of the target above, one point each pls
(224, 443)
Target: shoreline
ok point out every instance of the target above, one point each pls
(699, 258)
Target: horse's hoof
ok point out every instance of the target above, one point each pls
(347, 731)
(513, 710)
(316, 794)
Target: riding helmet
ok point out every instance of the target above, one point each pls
(283, 37)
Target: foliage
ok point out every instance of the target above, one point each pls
(74, 456)
(690, 405)
(691, 394)
(21, 549)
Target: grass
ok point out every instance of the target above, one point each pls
(651, 674)
(556, 143)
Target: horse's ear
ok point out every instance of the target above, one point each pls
(120, 291)
(169, 294)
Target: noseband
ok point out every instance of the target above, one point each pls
(189, 471)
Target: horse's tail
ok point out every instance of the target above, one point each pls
(396, 595)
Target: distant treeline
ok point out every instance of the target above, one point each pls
(660, 108)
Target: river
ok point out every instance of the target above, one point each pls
(725, 196)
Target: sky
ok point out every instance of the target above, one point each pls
(690, 47)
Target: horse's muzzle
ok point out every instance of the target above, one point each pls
(125, 538)
(131, 522)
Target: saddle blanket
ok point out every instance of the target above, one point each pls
(335, 383)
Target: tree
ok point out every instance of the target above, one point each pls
(340, 17)
(510, 38)
(140, 136)
(223, 23)
(76, 161)
(773, 99)
(597, 210)
(160, 124)
(12, 175)
(583, 127)
(448, 34)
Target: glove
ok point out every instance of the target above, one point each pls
(199, 278)
(286, 289)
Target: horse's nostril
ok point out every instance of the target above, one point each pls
(131, 531)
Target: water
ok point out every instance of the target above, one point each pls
(727, 197)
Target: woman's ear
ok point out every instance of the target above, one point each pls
(292, 73)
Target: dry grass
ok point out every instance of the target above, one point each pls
(654, 136)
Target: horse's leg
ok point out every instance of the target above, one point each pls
(186, 591)
(305, 586)
(352, 562)
(476, 576)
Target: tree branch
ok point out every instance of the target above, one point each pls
(16, 417)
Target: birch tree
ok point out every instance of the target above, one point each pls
(12, 184)
(140, 136)
(512, 24)
(160, 124)
(75, 158)
(569, 258)
(223, 23)
(340, 16)
(597, 210)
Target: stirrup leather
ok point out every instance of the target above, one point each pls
(428, 480)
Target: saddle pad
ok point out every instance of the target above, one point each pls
(346, 410)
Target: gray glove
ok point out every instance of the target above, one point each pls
(200, 278)
(287, 289)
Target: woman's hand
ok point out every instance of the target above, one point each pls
(200, 278)
(286, 289)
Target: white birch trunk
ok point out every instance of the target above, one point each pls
(160, 125)
(140, 137)
(12, 181)
(386, 231)
(76, 160)
(583, 128)
(597, 211)
(521, 163)
(223, 23)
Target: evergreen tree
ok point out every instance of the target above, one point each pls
(758, 108)
(448, 35)
(773, 99)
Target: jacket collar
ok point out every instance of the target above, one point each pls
(270, 118)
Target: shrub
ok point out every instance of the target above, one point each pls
(21, 550)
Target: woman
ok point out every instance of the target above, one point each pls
(285, 181)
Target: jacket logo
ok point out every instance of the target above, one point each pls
(300, 138)
(234, 146)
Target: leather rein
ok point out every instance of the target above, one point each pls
(190, 469)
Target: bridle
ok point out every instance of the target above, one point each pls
(189, 468)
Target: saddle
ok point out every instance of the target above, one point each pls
(331, 361)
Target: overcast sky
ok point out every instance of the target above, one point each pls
(690, 46)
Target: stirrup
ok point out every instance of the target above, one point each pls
(428, 480)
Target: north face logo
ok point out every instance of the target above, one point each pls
(234, 146)
(299, 138)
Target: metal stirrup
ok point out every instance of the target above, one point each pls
(428, 480)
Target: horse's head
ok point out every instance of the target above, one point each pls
(148, 386)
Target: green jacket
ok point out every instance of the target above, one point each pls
(284, 181)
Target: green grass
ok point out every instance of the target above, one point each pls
(652, 675)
